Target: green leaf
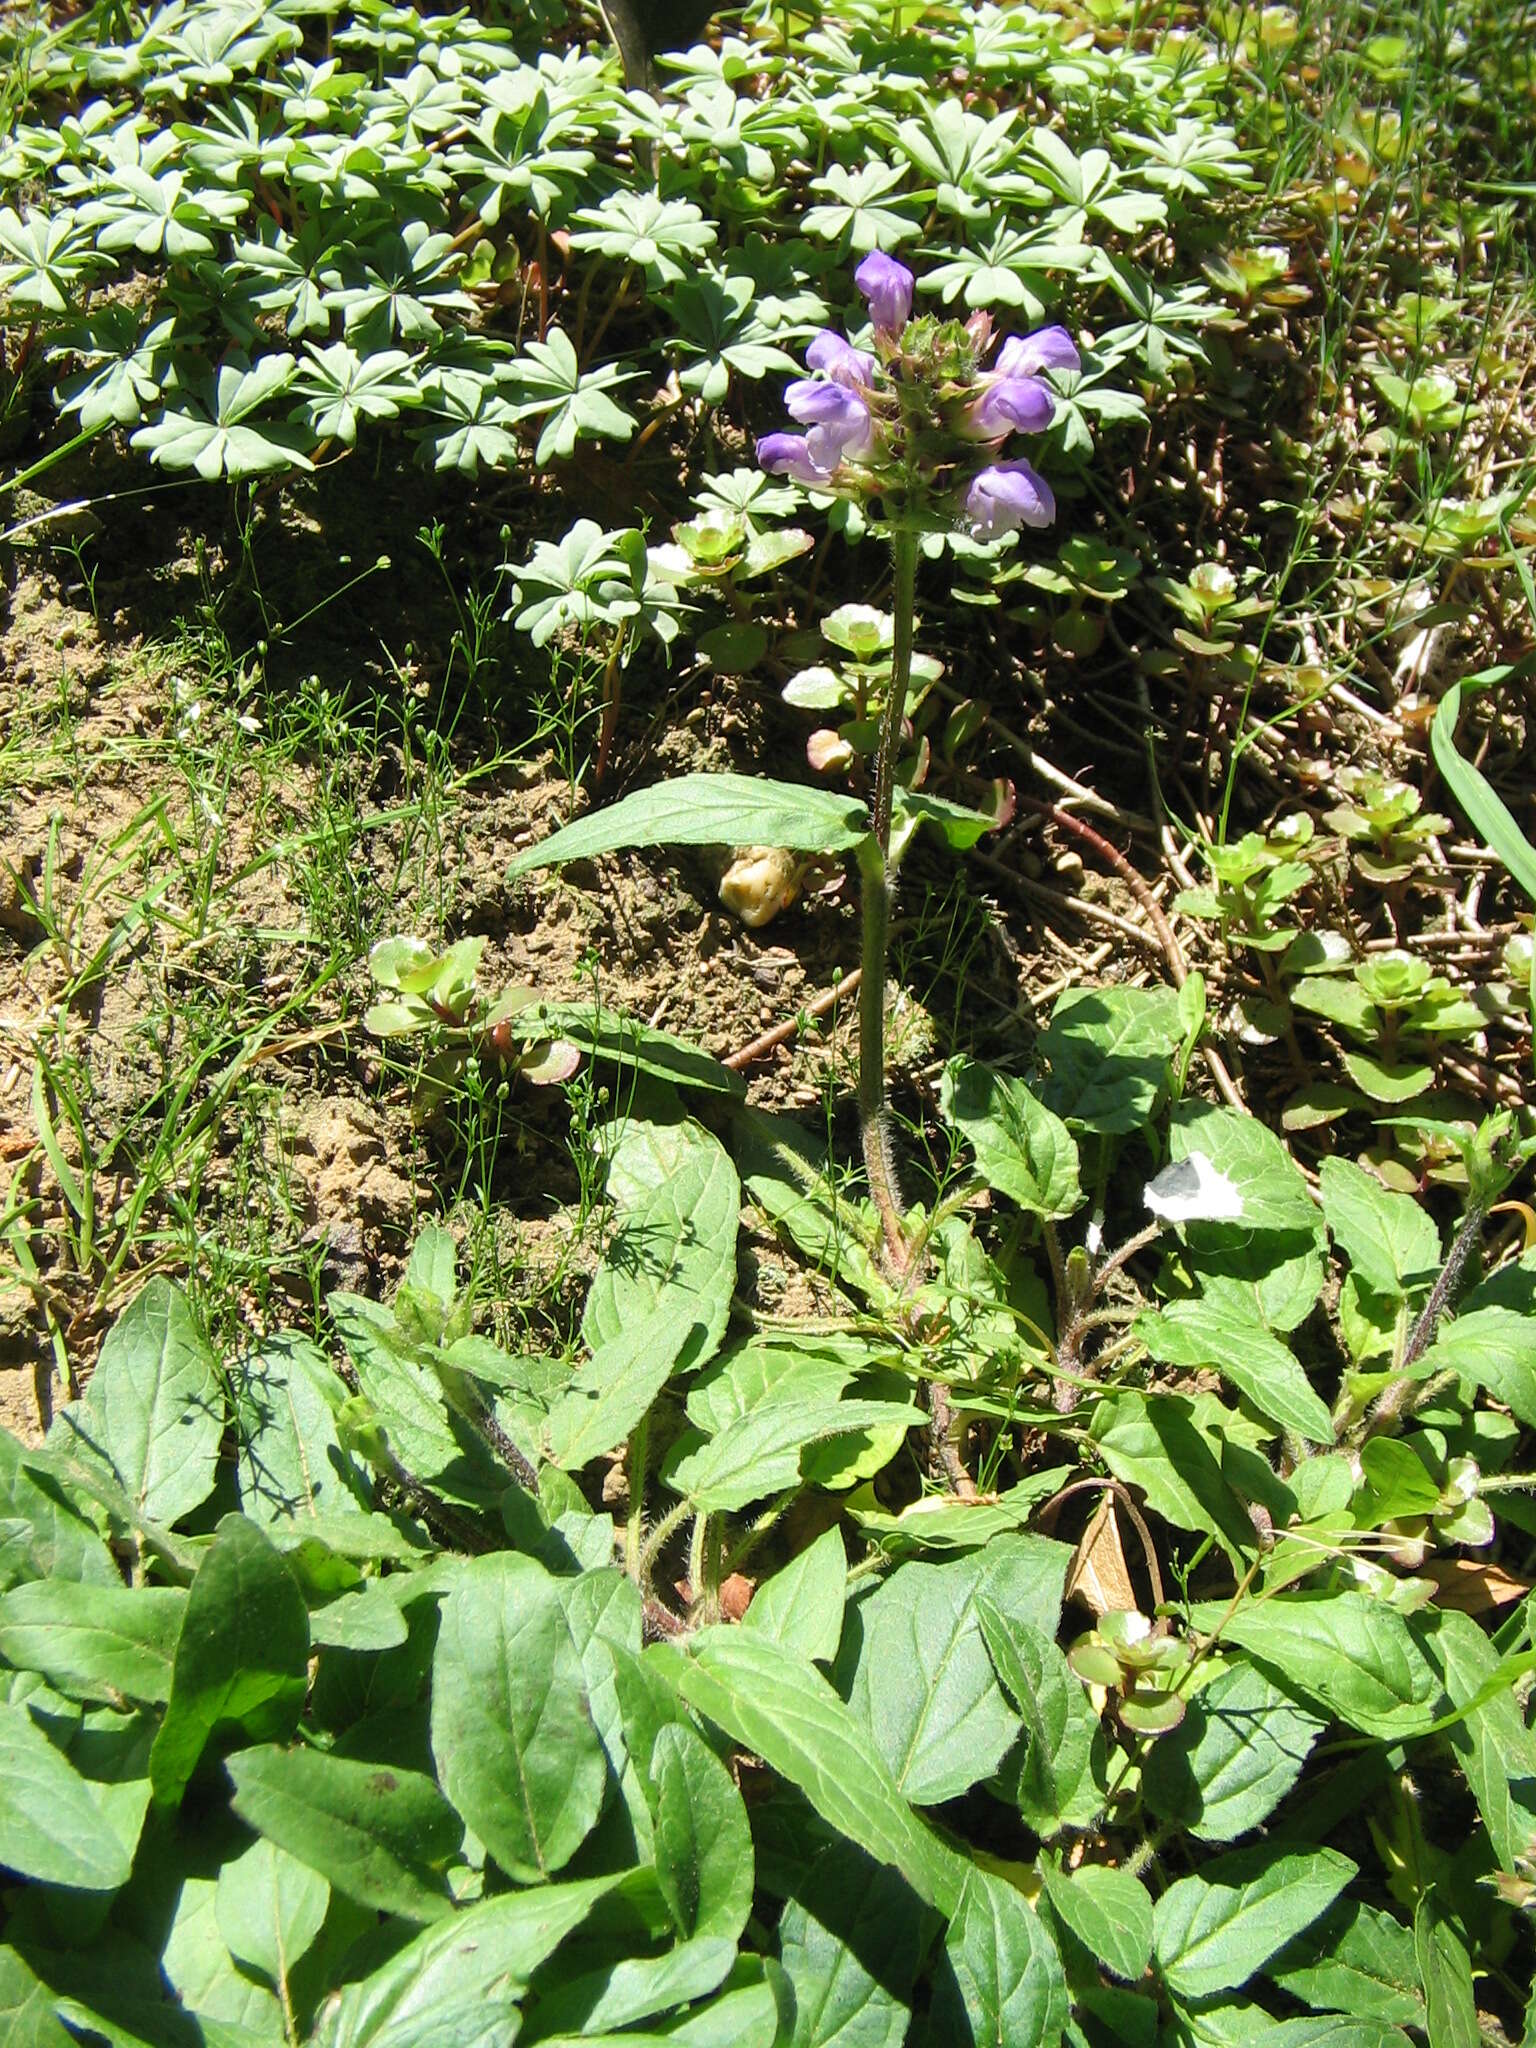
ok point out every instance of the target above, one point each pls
(786, 1713)
(677, 1205)
(599, 2001)
(1223, 1333)
(627, 1043)
(703, 1845)
(1490, 816)
(851, 1939)
(93, 1642)
(51, 1828)
(378, 1834)
(1358, 1960)
(914, 1666)
(270, 1907)
(1021, 1149)
(1446, 1968)
(401, 1385)
(512, 1731)
(1494, 1348)
(1155, 1442)
(28, 2015)
(708, 810)
(1059, 1720)
(1214, 1930)
(759, 1453)
(1239, 1749)
(1345, 1651)
(1390, 1241)
(1268, 1182)
(1108, 1050)
(242, 1657)
(1492, 1743)
(1110, 1912)
(202, 1973)
(50, 1536)
(1002, 1979)
(288, 1459)
(801, 1606)
(434, 1990)
(609, 1393)
(153, 1412)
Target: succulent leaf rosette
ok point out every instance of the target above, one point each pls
(906, 418)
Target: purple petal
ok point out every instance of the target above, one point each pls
(838, 359)
(839, 419)
(789, 455)
(1048, 348)
(1024, 403)
(887, 287)
(1007, 496)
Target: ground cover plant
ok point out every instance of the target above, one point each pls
(767, 1259)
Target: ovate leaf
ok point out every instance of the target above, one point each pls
(1214, 1930)
(1345, 1652)
(93, 1642)
(242, 1656)
(1022, 1149)
(380, 1835)
(707, 810)
(153, 1412)
(786, 1713)
(51, 1828)
(1001, 1979)
(801, 1606)
(1226, 1334)
(269, 1908)
(703, 1845)
(1238, 1751)
(1110, 1912)
(430, 1992)
(512, 1731)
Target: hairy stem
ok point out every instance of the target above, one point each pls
(875, 876)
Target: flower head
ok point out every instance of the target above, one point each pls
(1006, 496)
(839, 420)
(1008, 402)
(789, 455)
(887, 287)
(838, 359)
(1027, 355)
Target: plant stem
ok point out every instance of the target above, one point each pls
(634, 1527)
(875, 875)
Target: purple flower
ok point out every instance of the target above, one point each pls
(840, 360)
(887, 288)
(1048, 348)
(789, 455)
(1007, 496)
(1008, 402)
(839, 420)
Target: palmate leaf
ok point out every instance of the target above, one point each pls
(548, 383)
(664, 238)
(43, 258)
(160, 215)
(341, 387)
(208, 424)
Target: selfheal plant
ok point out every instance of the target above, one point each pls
(905, 426)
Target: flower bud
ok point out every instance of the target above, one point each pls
(887, 287)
